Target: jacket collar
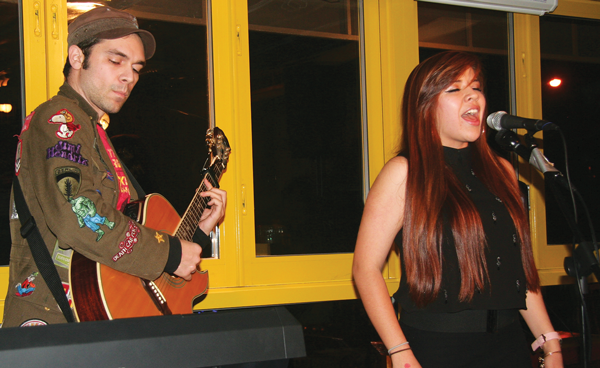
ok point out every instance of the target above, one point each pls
(67, 91)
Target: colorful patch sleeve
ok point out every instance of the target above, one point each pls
(65, 167)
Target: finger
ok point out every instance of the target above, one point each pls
(215, 193)
(214, 202)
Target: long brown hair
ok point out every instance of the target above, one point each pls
(433, 191)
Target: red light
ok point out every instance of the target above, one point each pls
(555, 82)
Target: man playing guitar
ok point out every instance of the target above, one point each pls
(75, 185)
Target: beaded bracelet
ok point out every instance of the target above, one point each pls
(397, 346)
(399, 351)
(542, 359)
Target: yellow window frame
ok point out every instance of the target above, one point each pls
(549, 258)
(239, 277)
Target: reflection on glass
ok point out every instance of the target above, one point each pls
(570, 50)
(159, 133)
(458, 27)
(481, 32)
(306, 126)
(10, 114)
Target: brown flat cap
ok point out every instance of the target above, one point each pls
(107, 23)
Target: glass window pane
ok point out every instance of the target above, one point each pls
(447, 26)
(573, 105)
(160, 131)
(11, 113)
(306, 126)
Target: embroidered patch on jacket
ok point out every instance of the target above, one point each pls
(27, 121)
(159, 237)
(14, 215)
(18, 157)
(131, 238)
(68, 180)
(67, 126)
(67, 151)
(86, 213)
(20, 144)
(67, 289)
(26, 287)
(33, 322)
(61, 257)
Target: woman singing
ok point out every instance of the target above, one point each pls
(454, 209)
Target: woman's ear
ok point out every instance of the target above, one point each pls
(76, 57)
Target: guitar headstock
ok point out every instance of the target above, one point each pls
(218, 148)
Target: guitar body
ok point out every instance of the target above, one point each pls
(100, 292)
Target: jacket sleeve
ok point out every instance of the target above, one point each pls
(64, 166)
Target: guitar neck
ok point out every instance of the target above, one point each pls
(191, 217)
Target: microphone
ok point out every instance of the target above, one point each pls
(501, 120)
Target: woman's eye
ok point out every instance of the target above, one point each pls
(452, 90)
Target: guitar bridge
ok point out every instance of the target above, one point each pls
(157, 297)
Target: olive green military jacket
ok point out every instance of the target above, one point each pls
(70, 186)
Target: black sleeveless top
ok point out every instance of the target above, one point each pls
(508, 283)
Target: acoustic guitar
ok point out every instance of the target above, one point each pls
(102, 293)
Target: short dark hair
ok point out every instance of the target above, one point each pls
(86, 48)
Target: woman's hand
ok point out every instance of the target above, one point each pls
(405, 359)
(555, 359)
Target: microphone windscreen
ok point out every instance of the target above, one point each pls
(493, 120)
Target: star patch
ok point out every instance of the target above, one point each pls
(159, 237)
(68, 180)
(67, 127)
(27, 287)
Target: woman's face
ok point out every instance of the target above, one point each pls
(460, 111)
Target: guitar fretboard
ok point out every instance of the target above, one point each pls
(191, 217)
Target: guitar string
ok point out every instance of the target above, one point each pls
(192, 217)
(189, 223)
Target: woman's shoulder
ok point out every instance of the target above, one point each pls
(397, 167)
(393, 173)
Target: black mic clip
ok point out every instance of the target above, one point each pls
(509, 140)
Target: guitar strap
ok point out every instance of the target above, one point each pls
(134, 182)
(39, 251)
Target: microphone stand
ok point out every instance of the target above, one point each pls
(583, 262)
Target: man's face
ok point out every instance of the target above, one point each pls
(112, 70)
